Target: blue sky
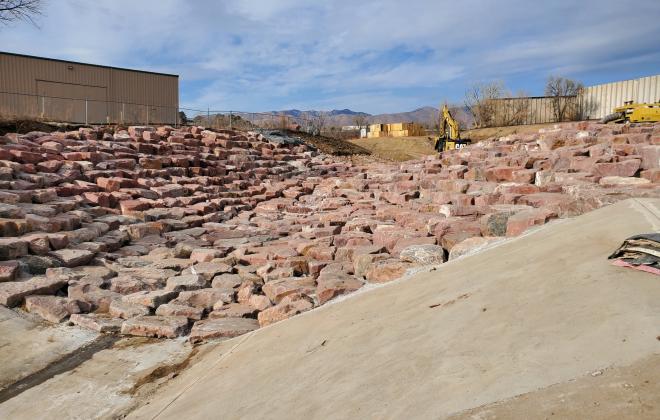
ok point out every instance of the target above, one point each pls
(372, 56)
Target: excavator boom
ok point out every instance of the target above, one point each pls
(450, 135)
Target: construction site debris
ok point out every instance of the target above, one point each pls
(641, 252)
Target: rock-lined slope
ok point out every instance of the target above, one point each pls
(542, 311)
(164, 232)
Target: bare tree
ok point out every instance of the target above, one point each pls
(512, 110)
(317, 123)
(480, 101)
(361, 121)
(183, 119)
(284, 122)
(433, 123)
(25, 10)
(461, 117)
(564, 96)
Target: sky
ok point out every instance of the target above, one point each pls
(373, 56)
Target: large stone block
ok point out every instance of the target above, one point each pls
(13, 293)
(222, 328)
(155, 326)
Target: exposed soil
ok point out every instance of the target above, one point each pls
(23, 126)
(329, 145)
(397, 149)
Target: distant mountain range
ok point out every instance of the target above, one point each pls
(426, 116)
(343, 117)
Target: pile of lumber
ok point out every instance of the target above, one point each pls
(395, 130)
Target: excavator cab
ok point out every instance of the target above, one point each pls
(450, 137)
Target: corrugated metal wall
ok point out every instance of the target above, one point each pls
(595, 103)
(527, 110)
(600, 100)
(75, 92)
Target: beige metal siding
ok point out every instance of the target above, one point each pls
(76, 92)
(530, 110)
(600, 100)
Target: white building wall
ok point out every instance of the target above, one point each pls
(602, 99)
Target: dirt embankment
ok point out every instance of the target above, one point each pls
(24, 126)
(397, 149)
(329, 145)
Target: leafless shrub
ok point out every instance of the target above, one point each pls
(461, 117)
(317, 123)
(284, 122)
(480, 102)
(361, 121)
(512, 110)
(564, 94)
(586, 109)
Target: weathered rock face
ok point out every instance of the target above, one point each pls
(97, 323)
(150, 299)
(150, 230)
(387, 270)
(186, 282)
(51, 308)
(233, 310)
(289, 306)
(333, 285)
(423, 254)
(73, 257)
(471, 246)
(126, 310)
(155, 326)
(13, 293)
(172, 309)
(222, 328)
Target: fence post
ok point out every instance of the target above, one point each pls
(122, 113)
(85, 111)
(43, 107)
(147, 114)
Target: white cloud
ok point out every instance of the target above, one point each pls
(370, 55)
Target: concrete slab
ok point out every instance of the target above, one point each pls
(536, 311)
(102, 387)
(609, 394)
(28, 346)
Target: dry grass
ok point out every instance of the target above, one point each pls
(400, 149)
(397, 149)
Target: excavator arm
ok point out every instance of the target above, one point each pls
(448, 125)
(450, 135)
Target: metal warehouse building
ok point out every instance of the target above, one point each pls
(67, 91)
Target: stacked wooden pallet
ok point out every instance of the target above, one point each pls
(395, 130)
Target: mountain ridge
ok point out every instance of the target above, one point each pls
(347, 117)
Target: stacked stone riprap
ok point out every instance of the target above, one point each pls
(165, 232)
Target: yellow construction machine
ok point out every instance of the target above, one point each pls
(450, 135)
(634, 112)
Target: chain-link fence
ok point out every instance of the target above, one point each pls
(88, 111)
(83, 111)
(252, 120)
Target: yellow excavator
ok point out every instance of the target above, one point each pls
(450, 135)
(634, 112)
